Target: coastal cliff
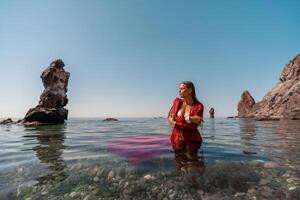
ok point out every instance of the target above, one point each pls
(281, 102)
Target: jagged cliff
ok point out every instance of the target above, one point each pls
(282, 101)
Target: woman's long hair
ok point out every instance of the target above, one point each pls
(190, 85)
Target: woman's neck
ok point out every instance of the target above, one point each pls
(189, 100)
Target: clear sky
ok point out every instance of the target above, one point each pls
(126, 57)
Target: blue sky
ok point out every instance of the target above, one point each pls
(126, 57)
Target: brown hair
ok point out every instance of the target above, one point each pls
(190, 85)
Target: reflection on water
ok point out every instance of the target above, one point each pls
(286, 149)
(189, 166)
(247, 125)
(49, 150)
(248, 135)
(212, 128)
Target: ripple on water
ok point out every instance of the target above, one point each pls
(48, 153)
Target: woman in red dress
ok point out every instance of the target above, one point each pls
(185, 116)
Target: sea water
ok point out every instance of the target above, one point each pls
(132, 159)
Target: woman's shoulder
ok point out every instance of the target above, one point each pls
(198, 108)
(198, 104)
(176, 100)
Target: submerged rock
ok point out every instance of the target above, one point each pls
(221, 180)
(249, 152)
(270, 165)
(283, 100)
(50, 109)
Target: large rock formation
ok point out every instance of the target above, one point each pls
(50, 109)
(283, 101)
(245, 105)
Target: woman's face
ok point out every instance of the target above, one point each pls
(184, 91)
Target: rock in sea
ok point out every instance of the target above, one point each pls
(245, 105)
(211, 113)
(50, 109)
(6, 121)
(110, 119)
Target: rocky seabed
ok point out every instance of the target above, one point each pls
(118, 180)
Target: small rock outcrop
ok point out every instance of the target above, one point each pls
(283, 101)
(50, 109)
(245, 105)
(110, 119)
(211, 113)
(6, 121)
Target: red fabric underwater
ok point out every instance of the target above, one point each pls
(140, 148)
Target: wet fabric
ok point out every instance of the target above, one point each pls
(185, 135)
(140, 148)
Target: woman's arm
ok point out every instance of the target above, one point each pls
(196, 119)
(171, 120)
(170, 115)
(185, 126)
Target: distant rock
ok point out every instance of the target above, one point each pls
(110, 119)
(7, 121)
(283, 101)
(50, 109)
(245, 105)
(212, 113)
(232, 117)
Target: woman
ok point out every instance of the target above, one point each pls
(185, 116)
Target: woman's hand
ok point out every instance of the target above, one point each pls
(172, 120)
(196, 119)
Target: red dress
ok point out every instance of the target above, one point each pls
(186, 134)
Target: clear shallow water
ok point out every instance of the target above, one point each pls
(34, 160)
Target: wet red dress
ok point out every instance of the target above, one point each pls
(186, 135)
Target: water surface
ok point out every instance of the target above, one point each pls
(83, 153)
